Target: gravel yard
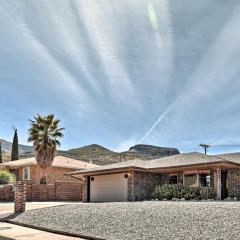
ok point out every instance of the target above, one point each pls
(142, 220)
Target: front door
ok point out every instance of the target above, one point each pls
(224, 189)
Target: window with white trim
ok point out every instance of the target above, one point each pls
(205, 180)
(26, 173)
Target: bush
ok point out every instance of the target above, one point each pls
(6, 177)
(235, 195)
(179, 191)
(207, 193)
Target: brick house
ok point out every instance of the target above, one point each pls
(136, 179)
(28, 171)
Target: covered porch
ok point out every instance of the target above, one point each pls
(205, 175)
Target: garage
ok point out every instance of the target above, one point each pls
(109, 188)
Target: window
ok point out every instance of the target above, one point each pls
(173, 179)
(26, 173)
(92, 179)
(190, 180)
(204, 180)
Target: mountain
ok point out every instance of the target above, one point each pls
(24, 150)
(102, 156)
(92, 153)
(7, 147)
(150, 151)
(97, 154)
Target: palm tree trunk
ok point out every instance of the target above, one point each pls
(43, 179)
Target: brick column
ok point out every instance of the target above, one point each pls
(20, 197)
(85, 189)
(217, 183)
(131, 192)
(180, 178)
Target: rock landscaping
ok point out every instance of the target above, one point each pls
(141, 220)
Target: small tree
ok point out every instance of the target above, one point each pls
(44, 133)
(15, 154)
(6, 177)
(1, 158)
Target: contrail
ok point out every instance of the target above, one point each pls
(161, 117)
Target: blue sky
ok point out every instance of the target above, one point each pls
(118, 73)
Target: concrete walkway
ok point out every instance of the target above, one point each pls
(11, 231)
(8, 207)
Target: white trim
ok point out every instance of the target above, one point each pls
(28, 173)
(198, 180)
(219, 183)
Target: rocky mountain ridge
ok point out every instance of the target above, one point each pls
(97, 154)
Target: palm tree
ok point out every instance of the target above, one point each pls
(44, 133)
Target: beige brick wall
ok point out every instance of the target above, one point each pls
(54, 174)
(68, 191)
(59, 191)
(233, 176)
(141, 185)
(6, 193)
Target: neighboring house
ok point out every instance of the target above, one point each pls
(28, 170)
(135, 180)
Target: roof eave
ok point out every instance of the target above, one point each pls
(132, 168)
(18, 165)
(103, 171)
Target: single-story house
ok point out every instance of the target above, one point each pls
(29, 171)
(136, 179)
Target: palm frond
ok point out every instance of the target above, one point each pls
(44, 133)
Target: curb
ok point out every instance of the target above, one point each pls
(51, 230)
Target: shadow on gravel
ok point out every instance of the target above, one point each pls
(4, 238)
(8, 217)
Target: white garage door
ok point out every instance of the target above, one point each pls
(109, 188)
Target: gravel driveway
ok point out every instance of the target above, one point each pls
(142, 220)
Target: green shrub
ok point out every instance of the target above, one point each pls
(179, 191)
(207, 193)
(235, 194)
(6, 177)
